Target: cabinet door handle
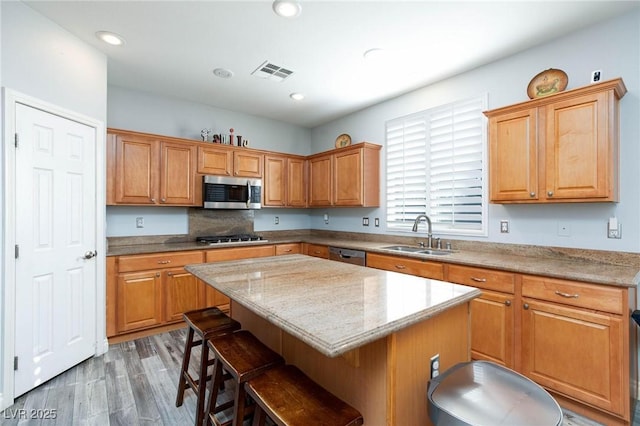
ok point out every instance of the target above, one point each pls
(400, 267)
(567, 295)
(507, 302)
(550, 193)
(288, 251)
(164, 262)
(532, 194)
(479, 280)
(526, 306)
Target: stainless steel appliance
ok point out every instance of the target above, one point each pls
(235, 238)
(224, 192)
(355, 257)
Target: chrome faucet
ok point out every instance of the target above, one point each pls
(429, 231)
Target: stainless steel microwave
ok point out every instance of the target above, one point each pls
(224, 192)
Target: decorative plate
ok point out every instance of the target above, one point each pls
(343, 140)
(547, 83)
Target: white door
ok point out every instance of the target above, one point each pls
(56, 237)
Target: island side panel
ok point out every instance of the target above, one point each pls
(266, 332)
(409, 354)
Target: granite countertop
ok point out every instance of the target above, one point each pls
(594, 268)
(333, 307)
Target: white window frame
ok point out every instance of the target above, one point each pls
(404, 139)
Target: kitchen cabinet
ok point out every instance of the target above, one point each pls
(405, 265)
(575, 341)
(345, 177)
(284, 181)
(144, 170)
(153, 289)
(316, 250)
(493, 313)
(224, 160)
(559, 148)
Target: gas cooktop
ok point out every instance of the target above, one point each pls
(236, 238)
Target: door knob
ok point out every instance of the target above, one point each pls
(90, 254)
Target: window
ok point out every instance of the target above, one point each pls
(435, 166)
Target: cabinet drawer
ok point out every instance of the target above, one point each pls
(293, 248)
(237, 253)
(588, 296)
(486, 279)
(158, 260)
(317, 250)
(420, 268)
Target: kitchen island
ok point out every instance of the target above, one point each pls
(364, 334)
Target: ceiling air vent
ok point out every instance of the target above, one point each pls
(272, 72)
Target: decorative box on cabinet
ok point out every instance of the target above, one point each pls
(405, 265)
(345, 177)
(493, 313)
(284, 182)
(559, 148)
(145, 170)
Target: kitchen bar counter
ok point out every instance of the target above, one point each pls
(363, 334)
(594, 267)
(333, 307)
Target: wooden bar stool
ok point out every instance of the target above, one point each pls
(206, 323)
(244, 357)
(290, 398)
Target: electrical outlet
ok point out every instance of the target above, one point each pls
(376, 222)
(435, 366)
(276, 220)
(614, 228)
(365, 221)
(504, 226)
(139, 222)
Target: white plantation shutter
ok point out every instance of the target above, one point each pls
(435, 166)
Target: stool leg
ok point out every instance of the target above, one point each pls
(259, 416)
(202, 383)
(185, 367)
(213, 390)
(238, 416)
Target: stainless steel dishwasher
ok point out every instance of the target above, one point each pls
(355, 257)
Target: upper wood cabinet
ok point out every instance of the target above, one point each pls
(284, 182)
(560, 148)
(150, 171)
(347, 176)
(221, 160)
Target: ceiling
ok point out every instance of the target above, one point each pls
(172, 47)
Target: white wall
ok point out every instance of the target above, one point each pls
(614, 48)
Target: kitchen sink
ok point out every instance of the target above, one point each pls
(419, 250)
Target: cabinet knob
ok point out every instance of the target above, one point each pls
(170, 274)
(400, 267)
(526, 306)
(153, 200)
(507, 302)
(164, 200)
(550, 193)
(157, 274)
(532, 194)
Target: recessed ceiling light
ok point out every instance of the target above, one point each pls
(110, 38)
(296, 96)
(223, 73)
(287, 8)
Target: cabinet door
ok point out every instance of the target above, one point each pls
(217, 299)
(139, 300)
(177, 168)
(320, 192)
(136, 174)
(183, 292)
(492, 328)
(575, 352)
(247, 164)
(348, 190)
(579, 150)
(215, 161)
(296, 182)
(275, 181)
(513, 156)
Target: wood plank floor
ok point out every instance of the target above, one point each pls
(134, 383)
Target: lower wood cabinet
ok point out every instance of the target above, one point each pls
(492, 314)
(293, 248)
(316, 250)
(139, 300)
(405, 265)
(182, 292)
